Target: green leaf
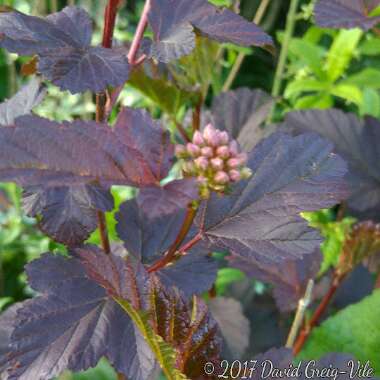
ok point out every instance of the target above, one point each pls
(308, 53)
(348, 92)
(341, 52)
(320, 101)
(305, 85)
(354, 330)
(370, 47)
(161, 92)
(227, 276)
(368, 77)
(164, 353)
(371, 103)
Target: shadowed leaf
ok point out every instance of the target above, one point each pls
(174, 21)
(346, 14)
(62, 43)
(22, 103)
(355, 141)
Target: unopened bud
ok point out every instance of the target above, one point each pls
(201, 163)
(217, 163)
(221, 178)
(211, 135)
(234, 148)
(223, 152)
(194, 150)
(233, 163)
(198, 138)
(188, 168)
(245, 173)
(202, 180)
(235, 175)
(180, 151)
(207, 152)
(223, 137)
(243, 157)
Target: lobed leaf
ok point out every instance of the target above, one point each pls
(354, 140)
(260, 220)
(289, 279)
(71, 325)
(174, 21)
(68, 213)
(158, 201)
(241, 113)
(62, 43)
(346, 14)
(22, 103)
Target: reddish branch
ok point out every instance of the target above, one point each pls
(109, 27)
(176, 246)
(133, 51)
(305, 332)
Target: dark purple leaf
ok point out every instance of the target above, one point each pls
(289, 279)
(68, 213)
(346, 14)
(260, 220)
(120, 277)
(22, 103)
(160, 201)
(7, 324)
(279, 357)
(193, 273)
(173, 23)
(232, 323)
(136, 128)
(62, 43)
(146, 239)
(354, 140)
(40, 152)
(71, 326)
(241, 112)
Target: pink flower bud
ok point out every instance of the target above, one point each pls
(221, 178)
(188, 168)
(194, 150)
(234, 148)
(211, 135)
(180, 151)
(224, 138)
(234, 175)
(202, 180)
(207, 152)
(223, 152)
(217, 163)
(201, 163)
(233, 163)
(198, 138)
(243, 157)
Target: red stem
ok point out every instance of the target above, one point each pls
(305, 333)
(132, 55)
(109, 22)
(171, 254)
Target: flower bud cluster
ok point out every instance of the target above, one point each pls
(214, 159)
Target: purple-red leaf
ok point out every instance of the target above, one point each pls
(289, 279)
(68, 213)
(174, 21)
(159, 201)
(71, 326)
(357, 142)
(232, 322)
(144, 238)
(346, 14)
(22, 103)
(37, 151)
(241, 112)
(261, 218)
(62, 43)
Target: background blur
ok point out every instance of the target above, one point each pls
(324, 69)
